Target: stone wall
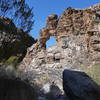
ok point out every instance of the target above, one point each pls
(78, 44)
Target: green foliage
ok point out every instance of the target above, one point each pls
(20, 13)
(92, 71)
(13, 60)
(96, 21)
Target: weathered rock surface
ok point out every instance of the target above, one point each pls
(13, 42)
(79, 86)
(77, 33)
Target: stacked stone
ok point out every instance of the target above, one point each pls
(78, 44)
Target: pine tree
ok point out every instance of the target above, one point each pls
(19, 12)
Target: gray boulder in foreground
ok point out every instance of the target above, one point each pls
(79, 86)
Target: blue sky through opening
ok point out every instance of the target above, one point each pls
(51, 42)
(43, 8)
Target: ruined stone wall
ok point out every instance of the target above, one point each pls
(77, 32)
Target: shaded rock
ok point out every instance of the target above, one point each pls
(62, 97)
(13, 42)
(54, 92)
(41, 98)
(14, 89)
(79, 86)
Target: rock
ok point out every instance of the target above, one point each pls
(13, 42)
(77, 34)
(41, 98)
(54, 91)
(79, 86)
(46, 88)
(62, 97)
(49, 30)
(52, 17)
(14, 88)
(11, 89)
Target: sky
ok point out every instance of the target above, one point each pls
(43, 8)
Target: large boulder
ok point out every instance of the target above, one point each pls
(79, 86)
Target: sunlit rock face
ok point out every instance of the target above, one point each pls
(78, 44)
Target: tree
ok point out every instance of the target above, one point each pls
(19, 12)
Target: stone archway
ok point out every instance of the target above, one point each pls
(48, 31)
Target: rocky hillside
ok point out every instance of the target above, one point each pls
(41, 74)
(77, 32)
(13, 42)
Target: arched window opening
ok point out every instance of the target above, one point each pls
(51, 42)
